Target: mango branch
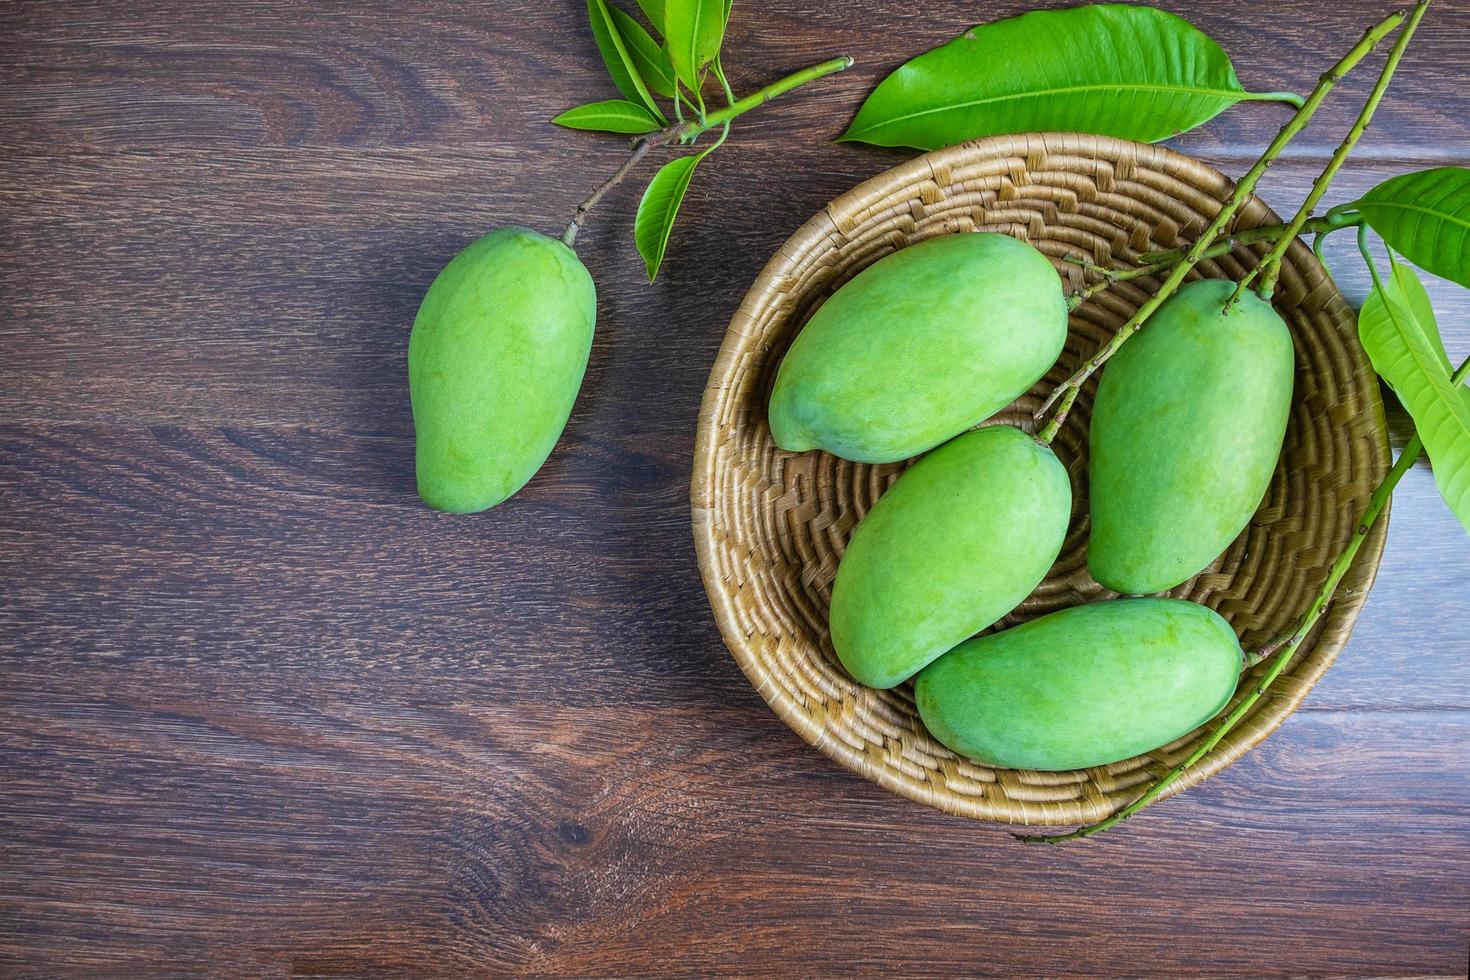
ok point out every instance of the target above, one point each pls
(1229, 241)
(1376, 504)
(1269, 268)
(690, 130)
(1065, 394)
(1153, 263)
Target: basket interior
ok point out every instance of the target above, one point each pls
(771, 526)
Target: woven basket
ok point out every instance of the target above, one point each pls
(770, 526)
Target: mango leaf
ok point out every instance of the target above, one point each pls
(1398, 332)
(1405, 287)
(654, 11)
(612, 116)
(660, 206)
(650, 60)
(693, 30)
(1127, 71)
(1425, 216)
(615, 55)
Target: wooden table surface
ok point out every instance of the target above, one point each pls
(261, 712)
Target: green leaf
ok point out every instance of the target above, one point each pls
(1405, 287)
(694, 30)
(1425, 216)
(612, 116)
(1398, 332)
(650, 60)
(660, 206)
(1133, 72)
(615, 55)
(654, 11)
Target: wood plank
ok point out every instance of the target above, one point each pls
(412, 827)
(242, 551)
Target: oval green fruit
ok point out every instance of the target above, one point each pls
(495, 359)
(1086, 686)
(918, 347)
(959, 540)
(1187, 427)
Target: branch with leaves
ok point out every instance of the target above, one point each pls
(1065, 394)
(1426, 214)
(678, 69)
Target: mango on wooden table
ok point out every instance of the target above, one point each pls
(495, 359)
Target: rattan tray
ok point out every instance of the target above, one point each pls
(770, 526)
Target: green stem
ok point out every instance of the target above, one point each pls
(1269, 268)
(1247, 236)
(719, 73)
(1227, 212)
(684, 131)
(778, 88)
(1290, 98)
(1050, 430)
(1376, 503)
(1153, 263)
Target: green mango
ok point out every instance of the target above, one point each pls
(957, 542)
(918, 347)
(1085, 686)
(1187, 427)
(495, 359)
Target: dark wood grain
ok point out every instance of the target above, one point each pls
(263, 713)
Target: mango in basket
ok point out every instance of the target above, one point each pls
(918, 347)
(495, 359)
(1187, 427)
(957, 542)
(1085, 686)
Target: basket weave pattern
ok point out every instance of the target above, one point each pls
(770, 526)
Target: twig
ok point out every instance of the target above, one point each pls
(1376, 504)
(1269, 268)
(1230, 241)
(685, 131)
(1256, 656)
(1227, 212)
(641, 146)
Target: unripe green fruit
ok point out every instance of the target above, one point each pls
(495, 359)
(1086, 686)
(959, 540)
(1186, 431)
(918, 347)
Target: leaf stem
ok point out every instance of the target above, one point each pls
(1065, 392)
(1269, 268)
(1376, 504)
(1290, 98)
(691, 129)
